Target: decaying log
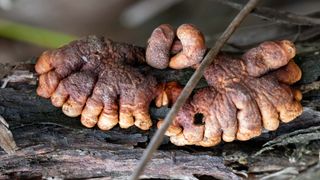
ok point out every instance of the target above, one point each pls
(53, 145)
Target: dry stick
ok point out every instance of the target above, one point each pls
(209, 58)
(276, 15)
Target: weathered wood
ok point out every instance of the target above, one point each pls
(48, 150)
(53, 145)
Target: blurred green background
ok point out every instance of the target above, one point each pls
(28, 27)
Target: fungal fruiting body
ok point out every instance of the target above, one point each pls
(244, 94)
(187, 46)
(97, 79)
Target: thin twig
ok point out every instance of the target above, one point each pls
(209, 58)
(278, 16)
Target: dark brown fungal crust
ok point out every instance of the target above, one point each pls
(239, 104)
(94, 78)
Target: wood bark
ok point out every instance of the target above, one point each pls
(54, 145)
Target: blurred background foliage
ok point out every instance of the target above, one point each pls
(28, 27)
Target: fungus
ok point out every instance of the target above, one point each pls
(97, 79)
(244, 95)
(94, 78)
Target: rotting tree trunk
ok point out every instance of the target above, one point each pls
(53, 145)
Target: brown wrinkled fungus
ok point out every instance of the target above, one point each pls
(193, 47)
(178, 50)
(159, 45)
(245, 95)
(98, 79)
(95, 78)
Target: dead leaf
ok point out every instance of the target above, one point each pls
(7, 142)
